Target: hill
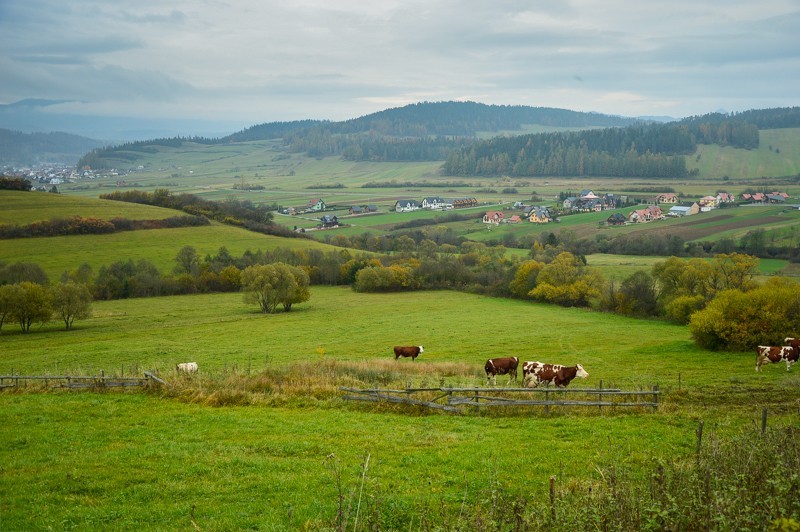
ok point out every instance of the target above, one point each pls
(29, 149)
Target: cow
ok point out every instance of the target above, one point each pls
(558, 374)
(186, 367)
(530, 367)
(501, 366)
(766, 354)
(412, 351)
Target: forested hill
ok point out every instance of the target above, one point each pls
(27, 149)
(655, 150)
(447, 131)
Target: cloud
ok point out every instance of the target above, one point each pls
(337, 59)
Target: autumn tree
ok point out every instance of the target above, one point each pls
(71, 301)
(270, 285)
(31, 303)
(567, 281)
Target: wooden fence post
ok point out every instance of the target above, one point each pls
(763, 421)
(600, 396)
(655, 397)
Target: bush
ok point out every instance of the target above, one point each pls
(739, 321)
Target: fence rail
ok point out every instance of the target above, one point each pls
(80, 381)
(456, 400)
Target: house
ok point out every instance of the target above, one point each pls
(666, 197)
(587, 195)
(315, 205)
(433, 202)
(648, 214)
(776, 198)
(570, 203)
(515, 219)
(406, 206)
(708, 202)
(329, 221)
(616, 219)
(539, 215)
(724, 197)
(355, 209)
(684, 210)
(460, 203)
(372, 208)
(493, 217)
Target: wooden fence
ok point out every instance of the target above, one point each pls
(458, 400)
(75, 381)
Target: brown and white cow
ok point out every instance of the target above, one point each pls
(412, 351)
(766, 354)
(558, 374)
(530, 367)
(501, 366)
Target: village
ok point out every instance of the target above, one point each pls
(643, 210)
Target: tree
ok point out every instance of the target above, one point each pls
(70, 301)
(737, 320)
(567, 281)
(23, 271)
(6, 302)
(638, 294)
(188, 260)
(525, 278)
(31, 303)
(270, 285)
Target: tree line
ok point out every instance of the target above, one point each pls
(715, 297)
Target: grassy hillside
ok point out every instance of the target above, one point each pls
(23, 208)
(778, 155)
(133, 461)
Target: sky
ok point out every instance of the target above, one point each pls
(249, 62)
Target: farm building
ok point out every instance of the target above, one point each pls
(684, 210)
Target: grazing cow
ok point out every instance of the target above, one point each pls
(412, 351)
(186, 367)
(560, 375)
(501, 366)
(530, 367)
(766, 354)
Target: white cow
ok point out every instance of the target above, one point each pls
(186, 367)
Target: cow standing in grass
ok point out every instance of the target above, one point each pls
(559, 375)
(767, 354)
(186, 367)
(412, 351)
(501, 366)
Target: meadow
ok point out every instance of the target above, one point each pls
(284, 456)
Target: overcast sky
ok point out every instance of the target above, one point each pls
(263, 61)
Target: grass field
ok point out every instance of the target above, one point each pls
(139, 461)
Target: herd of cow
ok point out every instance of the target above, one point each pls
(533, 373)
(536, 373)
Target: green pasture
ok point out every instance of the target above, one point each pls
(133, 462)
(160, 246)
(778, 155)
(221, 331)
(23, 208)
(125, 461)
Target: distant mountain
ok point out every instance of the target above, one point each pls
(28, 149)
(43, 116)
